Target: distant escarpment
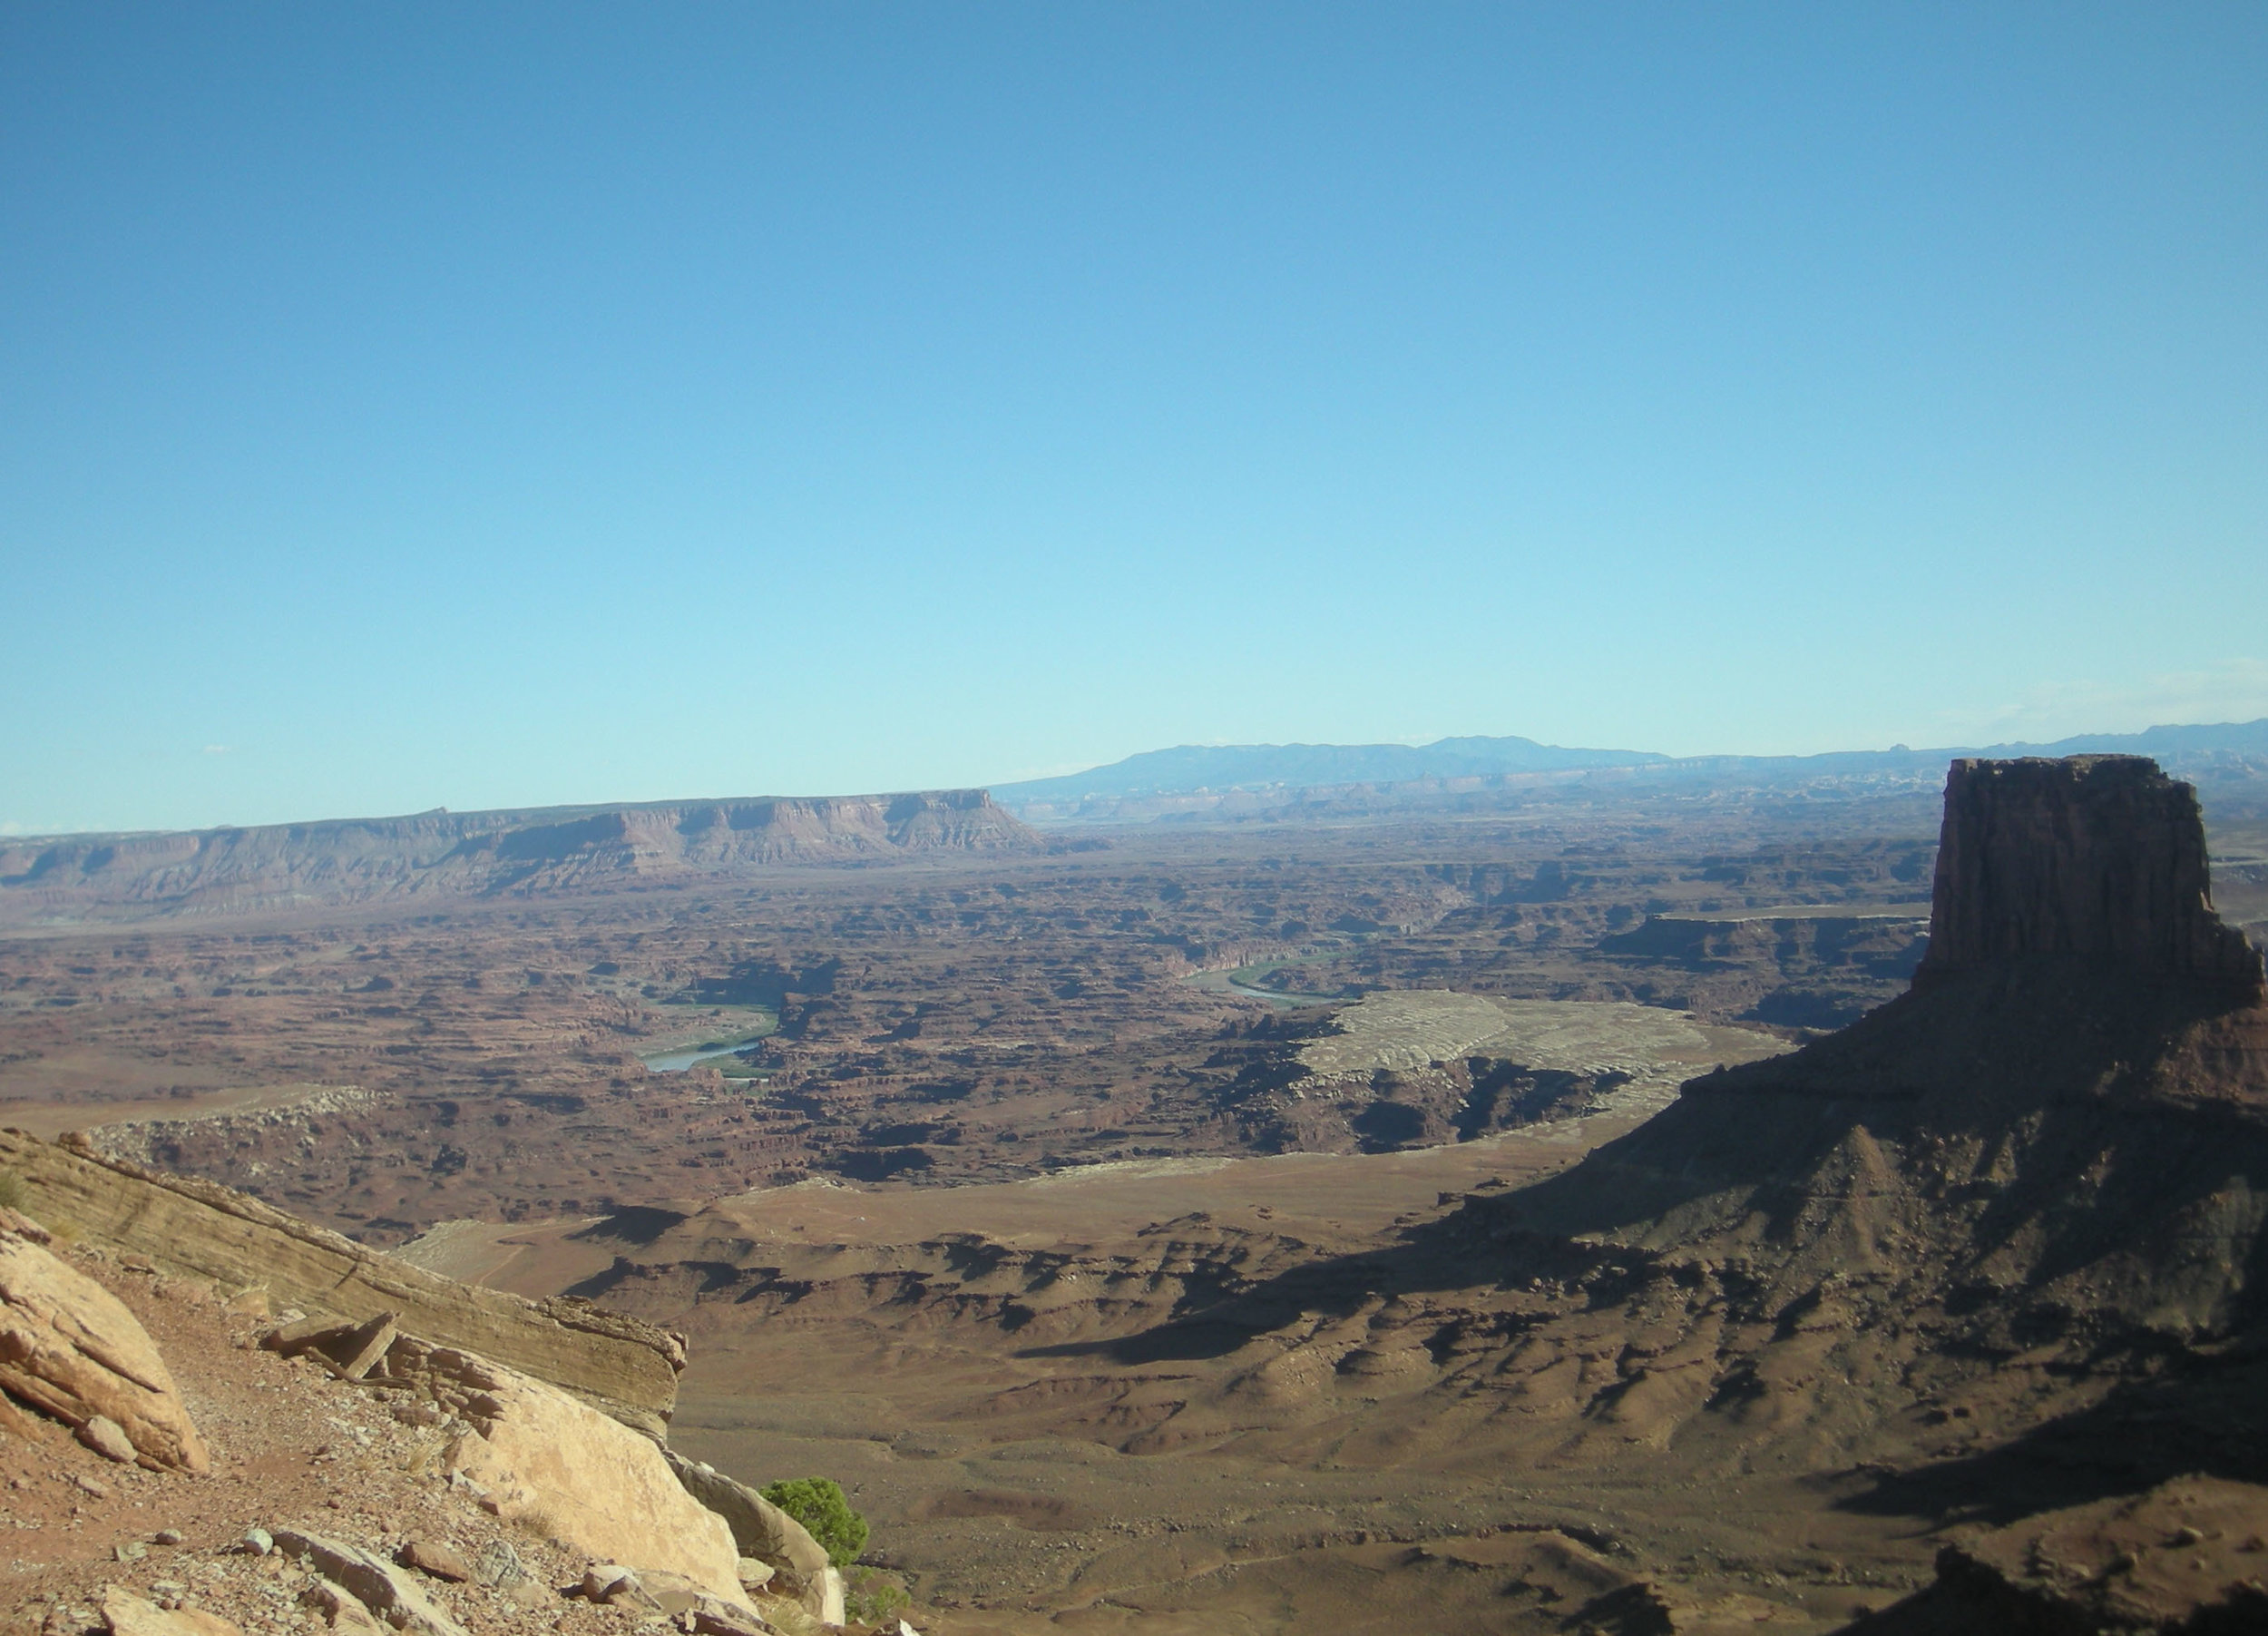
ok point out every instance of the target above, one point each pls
(465, 854)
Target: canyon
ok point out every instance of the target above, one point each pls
(1637, 1213)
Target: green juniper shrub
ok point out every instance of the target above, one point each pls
(817, 1503)
(873, 1597)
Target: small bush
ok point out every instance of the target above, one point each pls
(817, 1503)
(873, 1597)
(11, 1191)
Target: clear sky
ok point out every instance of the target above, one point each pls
(480, 405)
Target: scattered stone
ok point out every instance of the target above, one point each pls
(257, 1541)
(89, 1485)
(498, 1567)
(107, 1438)
(755, 1574)
(615, 1586)
(129, 1551)
(431, 1556)
(376, 1584)
(166, 1536)
(714, 1619)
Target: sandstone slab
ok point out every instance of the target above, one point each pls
(71, 1347)
(559, 1466)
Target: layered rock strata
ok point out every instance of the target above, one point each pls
(193, 1229)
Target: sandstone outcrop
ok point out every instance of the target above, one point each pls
(2100, 859)
(194, 1229)
(559, 1466)
(769, 1535)
(71, 1347)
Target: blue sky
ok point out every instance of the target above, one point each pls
(480, 406)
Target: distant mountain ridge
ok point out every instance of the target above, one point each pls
(1193, 766)
(1133, 787)
(446, 854)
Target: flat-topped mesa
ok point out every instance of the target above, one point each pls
(2098, 860)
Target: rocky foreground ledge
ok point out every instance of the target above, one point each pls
(179, 1462)
(188, 1227)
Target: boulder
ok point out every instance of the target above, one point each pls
(498, 1567)
(824, 1598)
(436, 1557)
(107, 1438)
(71, 1347)
(557, 1465)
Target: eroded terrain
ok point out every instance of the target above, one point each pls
(951, 1019)
(1129, 1226)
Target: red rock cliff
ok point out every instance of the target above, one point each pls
(2099, 859)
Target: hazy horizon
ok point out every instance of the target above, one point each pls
(594, 801)
(521, 407)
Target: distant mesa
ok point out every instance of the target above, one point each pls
(473, 853)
